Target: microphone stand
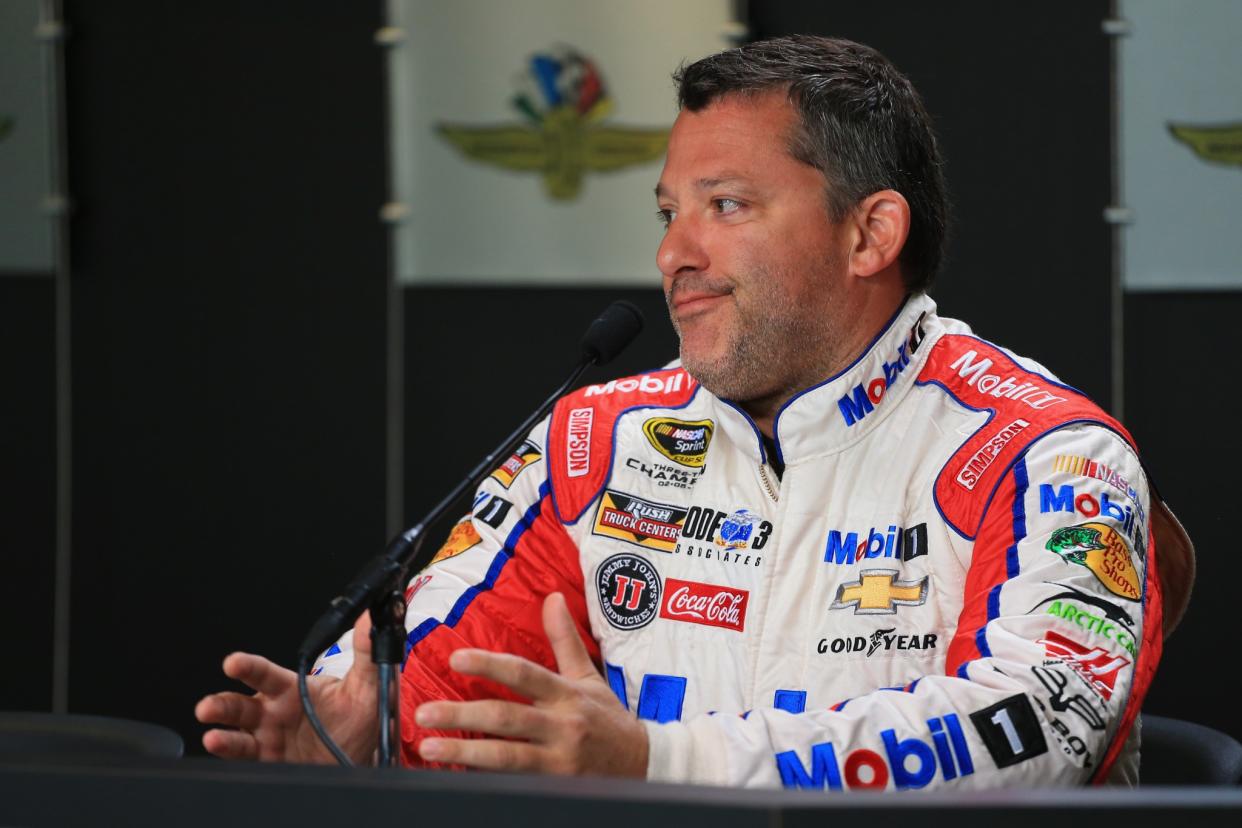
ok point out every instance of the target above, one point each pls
(379, 586)
(388, 636)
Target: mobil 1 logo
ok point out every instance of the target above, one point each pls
(629, 591)
(1010, 730)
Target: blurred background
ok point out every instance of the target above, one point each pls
(274, 276)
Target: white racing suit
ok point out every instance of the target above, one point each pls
(952, 585)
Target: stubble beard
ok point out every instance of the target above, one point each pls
(774, 350)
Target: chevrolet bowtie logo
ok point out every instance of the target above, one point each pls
(878, 592)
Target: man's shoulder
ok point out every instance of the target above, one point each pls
(1024, 403)
(581, 431)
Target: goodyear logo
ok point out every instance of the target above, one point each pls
(523, 456)
(563, 103)
(682, 441)
(1104, 551)
(640, 522)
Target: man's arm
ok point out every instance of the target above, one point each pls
(485, 590)
(1055, 647)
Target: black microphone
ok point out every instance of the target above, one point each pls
(606, 337)
(611, 331)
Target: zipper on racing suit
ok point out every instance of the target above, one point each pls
(767, 484)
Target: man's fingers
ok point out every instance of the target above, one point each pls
(231, 709)
(571, 654)
(362, 638)
(485, 754)
(492, 716)
(261, 675)
(231, 744)
(525, 677)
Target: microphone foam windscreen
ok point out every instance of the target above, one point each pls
(611, 331)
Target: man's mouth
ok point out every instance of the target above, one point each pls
(689, 303)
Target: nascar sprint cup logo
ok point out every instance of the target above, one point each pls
(681, 441)
(629, 591)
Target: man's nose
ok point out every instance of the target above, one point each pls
(682, 250)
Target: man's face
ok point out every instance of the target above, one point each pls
(752, 263)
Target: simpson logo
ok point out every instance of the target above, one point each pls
(578, 442)
(968, 477)
(977, 377)
(1095, 666)
(523, 456)
(863, 400)
(637, 521)
(629, 591)
(463, 537)
(646, 383)
(681, 441)
(707, 604)
(878, 592)
(948, 753)
(1101, 549)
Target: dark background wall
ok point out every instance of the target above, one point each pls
(229, 288)
(229, 307)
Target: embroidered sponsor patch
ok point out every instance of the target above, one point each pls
(878, 592)
(1097, 667)
(1010, 730)
(463, 537)
(629, 591)
(523, 457)
(1104, 551)
(578, 441)
(641, 522)
(707, 604)
(682, 441)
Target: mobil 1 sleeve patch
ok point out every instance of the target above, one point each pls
(1010, 730)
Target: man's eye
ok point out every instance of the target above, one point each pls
(726, 205)
(665, 217)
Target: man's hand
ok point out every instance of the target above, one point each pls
(270, 725)
(574, 725)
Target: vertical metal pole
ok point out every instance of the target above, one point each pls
(50, 30)
(1116, 214)
(388, 38)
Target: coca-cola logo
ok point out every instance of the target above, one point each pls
(708, 604)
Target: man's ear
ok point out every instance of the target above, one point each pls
(882, 222)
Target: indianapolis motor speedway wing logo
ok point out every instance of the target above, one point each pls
(563, 103)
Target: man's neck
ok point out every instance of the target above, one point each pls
(763, 410)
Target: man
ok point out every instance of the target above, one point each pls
(845, 544)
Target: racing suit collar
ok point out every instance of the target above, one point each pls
(843, 408)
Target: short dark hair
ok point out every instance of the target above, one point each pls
(862, 124)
